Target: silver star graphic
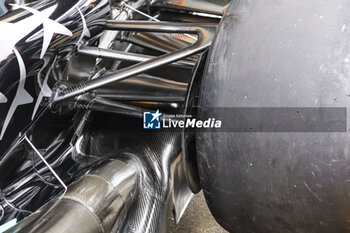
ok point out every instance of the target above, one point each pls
(22, 96)
(85, 31)
(156, 115)
(3, 98)
(45, 89)
(17, 31)
(50, 27)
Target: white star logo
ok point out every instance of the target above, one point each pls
(3, 98)
(85, 31)
(45, 89)
(50, 27)
(22, 96)
(156, 115)
(18, 30)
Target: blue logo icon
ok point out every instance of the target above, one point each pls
(151, 120)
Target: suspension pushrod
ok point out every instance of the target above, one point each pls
(205, 35)
(123, 56)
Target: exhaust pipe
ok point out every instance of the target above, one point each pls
(96, 203)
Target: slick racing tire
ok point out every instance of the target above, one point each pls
(271, 57)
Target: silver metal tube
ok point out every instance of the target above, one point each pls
(108, 36)
(144, 80)
(123, 56)
(205, 35)
(104, 105)
(114, 95)
(94, 204)
(160, 42)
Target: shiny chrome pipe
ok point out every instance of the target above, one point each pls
(123, 56)
(160, 42)
(205, 35)
(144, 87)
(100, 104)
(148, 97)
(96, 203)
(108, 36)
(144, 81)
